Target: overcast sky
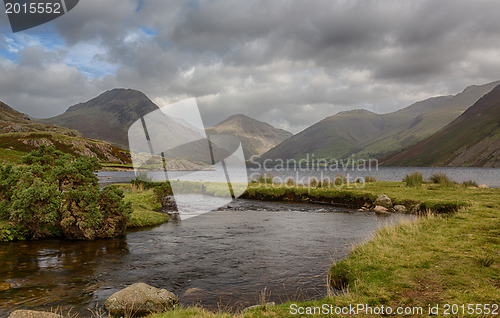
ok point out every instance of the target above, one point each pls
(289, 63)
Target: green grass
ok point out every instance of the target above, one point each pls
(437, 259)
(144, 204)
(11, 156)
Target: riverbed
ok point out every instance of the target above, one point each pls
(226, 257)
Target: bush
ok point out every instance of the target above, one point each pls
(58, 194)
(441, 179)
(414, 180)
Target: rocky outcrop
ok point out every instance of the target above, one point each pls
(141, 299)
(33, 314)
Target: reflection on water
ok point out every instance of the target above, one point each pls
(230, 255)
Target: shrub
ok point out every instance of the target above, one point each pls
(56, 193)
(339, 180)
(441, 179)
(414, 180)
(313, 182)
(290, 182)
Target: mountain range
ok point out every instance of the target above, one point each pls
(109, 116)
(472, 139)
(364, 134)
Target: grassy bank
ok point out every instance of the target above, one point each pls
(451, 258)
(144, 205)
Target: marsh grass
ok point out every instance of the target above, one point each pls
(414, 180)
(441, 179)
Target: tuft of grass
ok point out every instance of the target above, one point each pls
(441, 179)
(469, 183)
(414, 180)
(370, 179)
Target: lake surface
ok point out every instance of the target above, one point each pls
(488, 176)
(230, 255)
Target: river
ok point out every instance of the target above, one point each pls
(230, 256)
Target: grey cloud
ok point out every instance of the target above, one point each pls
(286, 62)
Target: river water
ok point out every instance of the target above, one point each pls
(229, 256)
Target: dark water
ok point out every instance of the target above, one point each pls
(488, 176)
(230, 255)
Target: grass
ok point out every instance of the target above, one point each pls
(414, 180)
(144, 205)
(437, 259)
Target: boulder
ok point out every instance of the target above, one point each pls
(272, 303)
(141, 299)
(33, 314)
(381, 210)
(384, 201)
(399, 208)
(483, 186)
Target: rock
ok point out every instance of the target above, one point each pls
(33, 314)
(416, 208)
(399, 208)
(483, 186)
(191, 291)
(360, 210)
(141, 299)
(381, 210)
(4, 286)
(272, 303)
(384, 201)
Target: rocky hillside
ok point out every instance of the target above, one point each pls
(369, 135)
(19, 134)
(256, 137)
(472, 140)
(106, 117)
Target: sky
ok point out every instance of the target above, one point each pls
(288, 63)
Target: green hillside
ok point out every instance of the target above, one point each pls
(19, 135)
(473, 139)
(366, 134)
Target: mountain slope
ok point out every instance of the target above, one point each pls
(368, 135)
(256, 137)
(336, 136)
(473, 139)
(106, 117)
(19, 134)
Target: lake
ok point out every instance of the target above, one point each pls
(488, 176)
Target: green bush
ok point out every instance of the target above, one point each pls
(57, 194)
(414, 180)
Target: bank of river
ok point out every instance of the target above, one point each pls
(231, 255)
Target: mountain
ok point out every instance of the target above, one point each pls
(256, 137)
(365, 134)
(472, 139)
(106, 117)
(19, 134)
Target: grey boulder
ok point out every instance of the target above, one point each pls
(384, 201)
(140, 299)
